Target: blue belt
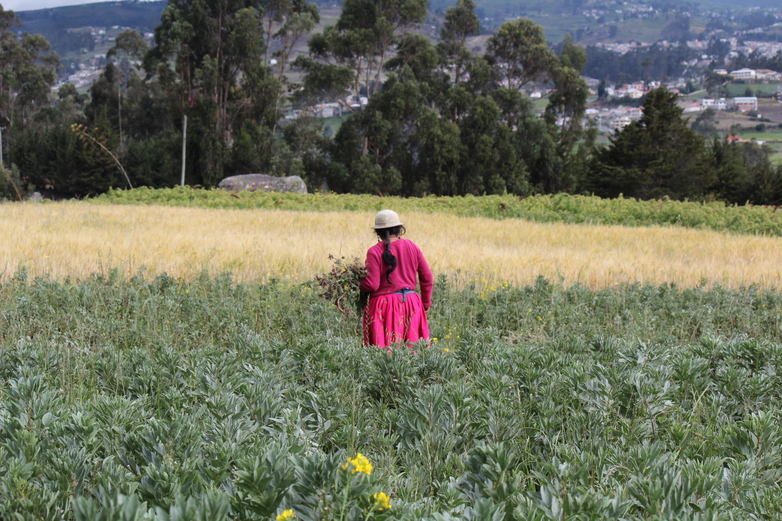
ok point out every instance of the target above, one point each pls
(404, 292)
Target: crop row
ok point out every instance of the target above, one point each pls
(206, 399)
(543, 208)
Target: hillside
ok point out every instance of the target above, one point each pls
(137, 15)
(589, 21)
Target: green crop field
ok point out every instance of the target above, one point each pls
(204, 399)
(739, 89)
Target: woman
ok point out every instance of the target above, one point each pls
(395, 312)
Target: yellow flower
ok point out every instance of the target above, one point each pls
(382, 501)
(434, 339)
(360, 464)
(447, 350)
(286, 515)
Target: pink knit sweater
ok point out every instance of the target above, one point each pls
(409, 263)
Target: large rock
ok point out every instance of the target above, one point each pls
(264, 182)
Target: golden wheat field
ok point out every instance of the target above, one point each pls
(73, 239)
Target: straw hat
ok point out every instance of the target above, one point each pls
(386, 219)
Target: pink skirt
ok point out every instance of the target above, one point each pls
(388, 320)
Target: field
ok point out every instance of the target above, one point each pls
(76, 239)
(140, 380)
(739, 89)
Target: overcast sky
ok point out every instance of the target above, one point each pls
(29, 5)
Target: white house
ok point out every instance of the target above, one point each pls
(745, 103)
(744, 74)
(766, 74)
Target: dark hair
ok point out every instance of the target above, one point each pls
(388, 257)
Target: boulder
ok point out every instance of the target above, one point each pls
(264, 182)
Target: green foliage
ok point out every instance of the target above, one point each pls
(656, 156)
(158, 398)
(11, 187)
(56, 160)
(542, 208)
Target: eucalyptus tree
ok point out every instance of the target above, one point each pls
(286, 22)
(378, 143)
(460, 22)
(564, 116)
(519, 54)
(490, 162)
(350, 56)
(217, 50)
(129, 44)
(27, 71)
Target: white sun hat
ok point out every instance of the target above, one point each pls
(386, 219)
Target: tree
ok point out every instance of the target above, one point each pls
(656, 156)
(384, 135)
(350, 56)
(460, 22)
(564, 116)
(518, 53)
(218, 50)
(714, 82)
(490, 162)
(27, 71)
(705, 123)
(286, 22)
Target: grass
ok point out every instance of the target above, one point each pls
(76, 239)
(739, 89)
(772, 140)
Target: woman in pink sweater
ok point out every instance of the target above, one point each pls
(395, 312)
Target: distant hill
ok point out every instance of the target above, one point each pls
(142, 16)
(737, 4)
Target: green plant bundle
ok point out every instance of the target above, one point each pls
(566, 208)
(204, 399)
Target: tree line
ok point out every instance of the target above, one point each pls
(207, 101)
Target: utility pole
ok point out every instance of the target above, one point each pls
(184, 146)
(4, 122)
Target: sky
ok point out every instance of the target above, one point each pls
(29, 5)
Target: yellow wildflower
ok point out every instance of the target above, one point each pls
(360, 464)
(286, 515)
(382, 501)
(446, 350)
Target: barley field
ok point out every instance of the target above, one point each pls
(75, 239)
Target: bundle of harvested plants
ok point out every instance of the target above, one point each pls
(340, 285)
